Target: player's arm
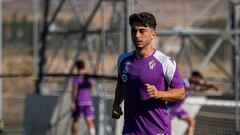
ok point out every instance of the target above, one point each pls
(210, 86)
(74, 96)
(92, 83)
(174, 94)
(206, 86)
(74, 92)
(118, 95)
(116, 110)
(174, 79)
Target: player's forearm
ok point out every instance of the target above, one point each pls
(118, 96)
(74, 94)
(172, 95)
(209, 86)
(117, 102)
(205, 87)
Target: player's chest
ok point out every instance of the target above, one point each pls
(141, 71)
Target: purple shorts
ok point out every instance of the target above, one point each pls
(179, 112)
(87, 110)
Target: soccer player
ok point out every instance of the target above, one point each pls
(196, 82)
(82, 100)
(147, 78)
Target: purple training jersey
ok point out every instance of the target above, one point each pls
(144, 115)
(84, 86)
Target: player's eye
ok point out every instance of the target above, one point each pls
(142, 30)
(133, 30)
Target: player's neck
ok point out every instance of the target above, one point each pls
(145, 52)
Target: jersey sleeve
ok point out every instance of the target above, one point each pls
(120, 58)
(119, 74)
(91, 81)
(75, 82)
(172, 74)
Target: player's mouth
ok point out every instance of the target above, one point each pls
(138, 42)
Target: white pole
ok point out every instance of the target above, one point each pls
(1, 35)
(35, 37)
(237, 73)
(102, 93)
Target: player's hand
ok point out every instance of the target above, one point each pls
(214, 87)
(152, 91)
(73, 106)
(117, 112)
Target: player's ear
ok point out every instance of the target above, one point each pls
(154, 34)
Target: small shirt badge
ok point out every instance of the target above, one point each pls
(126, 67)
(152, 64)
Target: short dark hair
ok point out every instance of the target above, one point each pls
(80, 64)
(197, 74)
(145, 18)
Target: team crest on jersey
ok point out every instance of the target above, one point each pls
(152, 64)
(124, 78)
(126, 66)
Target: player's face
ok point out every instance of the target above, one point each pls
(197, 80)
(82, 71)
(141, 36)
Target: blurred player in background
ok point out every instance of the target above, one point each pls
(81, 99)
(196, 82)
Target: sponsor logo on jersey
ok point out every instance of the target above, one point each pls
(126, 66)
(152, 64)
